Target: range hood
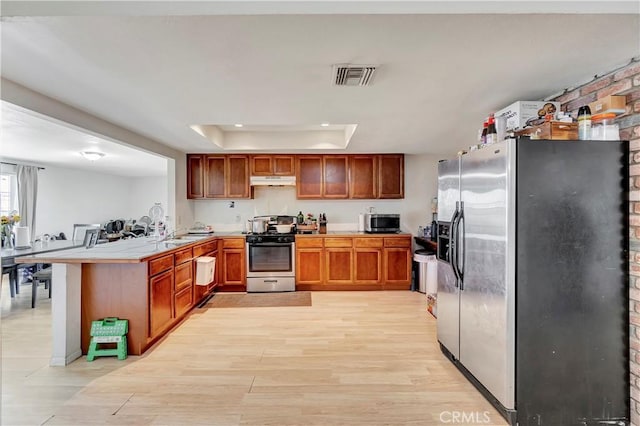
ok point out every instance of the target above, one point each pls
(273, 181)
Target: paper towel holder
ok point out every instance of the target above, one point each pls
(22, 238)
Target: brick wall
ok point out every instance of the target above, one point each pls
(623, 81)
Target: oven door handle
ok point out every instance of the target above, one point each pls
(269, 244)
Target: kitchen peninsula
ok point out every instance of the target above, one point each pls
(152, 284)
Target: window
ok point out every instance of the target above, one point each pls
(8, 193)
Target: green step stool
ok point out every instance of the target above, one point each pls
(108, 330)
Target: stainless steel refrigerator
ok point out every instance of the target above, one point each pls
(533, 278)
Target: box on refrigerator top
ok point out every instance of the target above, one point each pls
(518, 113)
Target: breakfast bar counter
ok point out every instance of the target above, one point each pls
(151, 284)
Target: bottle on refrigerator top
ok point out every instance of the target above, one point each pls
(483, 135)
(584, 123)
(492, 133)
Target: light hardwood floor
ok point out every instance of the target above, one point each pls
(353, 358)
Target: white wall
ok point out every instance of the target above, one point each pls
(67, 196)
(415, 209)
(144, 193)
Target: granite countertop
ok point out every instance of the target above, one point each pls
(123, 251)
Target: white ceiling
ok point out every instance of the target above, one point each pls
(37, 140)
(265, 64)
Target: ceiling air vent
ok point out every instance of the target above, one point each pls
(353, 75)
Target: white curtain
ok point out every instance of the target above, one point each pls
(27, 177)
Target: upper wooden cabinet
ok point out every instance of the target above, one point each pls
(391, 176)
(272, 165)
(309, 176)
(322, 176)
(376, 176)
(217, 176)
(363, 182)
(330, 176)
(214, 177)
(195, 176)
(335, 173)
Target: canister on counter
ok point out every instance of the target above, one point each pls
(604, 127)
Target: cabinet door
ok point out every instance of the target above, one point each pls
(367, 258)
(391, 176)
(335, 176)
(184, 301)
(284, 165)
(367, 265)
(309, 266)
(160, 302)
(237, 176)
(339, 265)
(214, 182)
(261, 165)
(183, 276)
(195, 176)
(397, 266)
(309, 176)
(233, 267)
(363, 179)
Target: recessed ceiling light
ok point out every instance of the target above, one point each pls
(325, 124)
(238, 125)
(92, 155)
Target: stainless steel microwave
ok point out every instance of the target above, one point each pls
(381, 223)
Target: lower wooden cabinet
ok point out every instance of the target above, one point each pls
(339, 265)
(232, 262)
(160, 302)
(183, 301)
(353, 263)
(184, 280)
(338, 252)
(309, 261)
(397, 262)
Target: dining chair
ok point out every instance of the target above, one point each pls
(12, 270)
(79, 229)
(44, 276)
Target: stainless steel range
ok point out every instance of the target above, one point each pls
(271, 258)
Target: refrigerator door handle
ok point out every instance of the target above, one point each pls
(452, 243)
(460, 245)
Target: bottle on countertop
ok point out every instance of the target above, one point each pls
(492, 133)
(300, 218)
(323, 224)
(584, 123)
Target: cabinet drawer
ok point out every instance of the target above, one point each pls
(160, 264)
(184, 300)
(338, 242)
(183, 275)
(397, 242)
(309, 242)
(233, 243)
(204, 248)
(367, 242)
(183, 256)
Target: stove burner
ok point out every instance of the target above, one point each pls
(271, 238)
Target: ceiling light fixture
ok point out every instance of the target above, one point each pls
(324, 124)
(238, 125)
(92, 155)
